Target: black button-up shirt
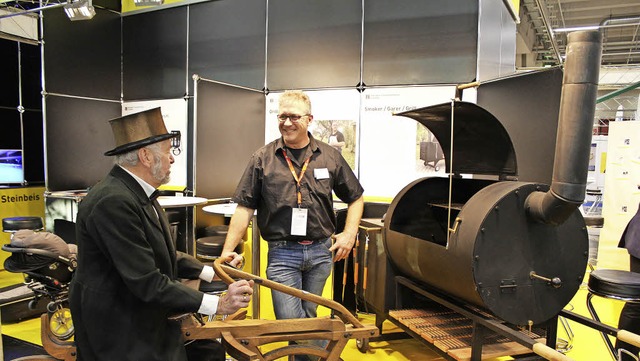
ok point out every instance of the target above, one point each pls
(268, 186)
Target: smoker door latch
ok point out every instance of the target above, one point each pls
(508, 286)
(556, 282)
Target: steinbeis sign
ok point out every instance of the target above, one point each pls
(28, 196)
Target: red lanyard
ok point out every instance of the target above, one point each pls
(298, 178)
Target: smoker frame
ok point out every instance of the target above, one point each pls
(547, 207)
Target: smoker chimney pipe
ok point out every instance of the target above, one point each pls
(575, 124)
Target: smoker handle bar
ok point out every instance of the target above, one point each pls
(621, 335)
(549, 353)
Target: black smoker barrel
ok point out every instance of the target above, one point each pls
(516, 249)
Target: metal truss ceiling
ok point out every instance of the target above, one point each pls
(619, 20)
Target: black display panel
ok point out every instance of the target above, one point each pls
(528, 106)
(227, 42)
(410, 42)
(82, 57)
(31, 77)
(9, 65)
(314, 44)
(155, 54)
(229, 128)
(33, 149)
(10, 136)
(78, 133)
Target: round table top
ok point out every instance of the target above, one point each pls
(173, 202)
(229, 208)
(223, 208)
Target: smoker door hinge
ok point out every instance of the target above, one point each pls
(508, 286)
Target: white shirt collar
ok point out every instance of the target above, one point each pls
(148, 188)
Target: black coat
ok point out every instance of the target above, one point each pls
(126, 283)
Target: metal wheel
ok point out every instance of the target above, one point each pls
(362, 344)
(61, 324)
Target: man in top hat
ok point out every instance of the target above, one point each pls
(126, 284)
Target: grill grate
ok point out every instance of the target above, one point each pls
(452, 333)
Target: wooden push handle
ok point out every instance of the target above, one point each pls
(226, 273)
(548, 353)
(628, 337)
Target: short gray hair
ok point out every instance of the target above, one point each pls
(129, 158)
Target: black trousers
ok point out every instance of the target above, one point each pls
(630, 318)
(205, 350)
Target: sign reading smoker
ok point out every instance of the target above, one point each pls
(516, 249)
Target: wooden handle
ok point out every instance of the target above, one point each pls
(468, 85)
(549, 353)
(226, 272)
(628, 337)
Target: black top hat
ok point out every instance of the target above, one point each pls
(138, 130)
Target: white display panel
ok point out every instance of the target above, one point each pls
(389, 157)
(385, 147)
(327, 106)
(621, 193)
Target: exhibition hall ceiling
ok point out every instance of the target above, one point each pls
(551, 20)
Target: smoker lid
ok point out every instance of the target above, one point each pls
(481, 143)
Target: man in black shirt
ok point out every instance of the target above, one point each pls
(290, 182)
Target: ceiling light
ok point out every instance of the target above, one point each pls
(80, 10)
(148, 2)
(576, 28)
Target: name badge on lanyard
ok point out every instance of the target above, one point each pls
(299, 221)
(298, 215)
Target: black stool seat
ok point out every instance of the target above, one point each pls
(211, 247)
(173, 216)
(217, 230)
(594, 221)
(13, 224)
(617, 284)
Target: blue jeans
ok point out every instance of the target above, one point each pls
(305, 267)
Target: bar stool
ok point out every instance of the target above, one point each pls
(14, 224)
(208, 249)
(597, 201)
(612, 284)
(216, 230)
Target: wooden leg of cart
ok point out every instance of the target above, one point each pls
(61, 350)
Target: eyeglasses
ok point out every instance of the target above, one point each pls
(294, 118)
